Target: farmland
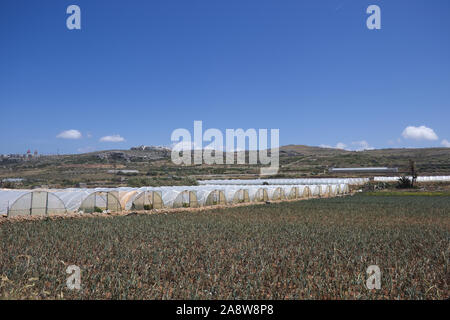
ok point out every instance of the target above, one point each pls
(314, 249)
(155, 168)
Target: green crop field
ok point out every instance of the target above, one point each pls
(314, 249)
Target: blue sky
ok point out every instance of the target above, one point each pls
(137, 70)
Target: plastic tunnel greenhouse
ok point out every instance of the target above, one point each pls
(59, 201)
(325, 190)
(15, 203)
(258, 194)
(276, 193)
(291, 192)
(211, 197)
(178, 197)
(90, 200)
(315, 190)
(303, 191)
(147, 199)
(298, 181)
(237, 195)
(140, 199)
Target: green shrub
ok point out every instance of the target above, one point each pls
(404, 183)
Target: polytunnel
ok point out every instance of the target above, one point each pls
(211, 197)
(343, 187)
(140, 199)
(334, 189)
(147, 200)
(276, 193)
(101, 200)
(314, 190)
(296, 181)
(325, 190)
(90, 200)
(291, 192)
(237, 195)
(258, 194)
(30, 203)
(303, 191)
(178, 197)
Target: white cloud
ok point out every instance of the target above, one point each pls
(362, 145)
(70, 134)
(113, 138)
(446, 143)
(419, 133)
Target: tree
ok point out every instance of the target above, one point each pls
(413, 172)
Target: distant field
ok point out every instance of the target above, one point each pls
(155, 168)
(315, 249)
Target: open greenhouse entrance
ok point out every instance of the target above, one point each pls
(215, 197)
(305, 193)
(261, 195)
(148, 200)
(278, 194)
(186, 199)
(292, 193)
(325, 191)
(101, 201)
(241, 196)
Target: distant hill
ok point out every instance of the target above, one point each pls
(428, 160)
(412, 152)
(291, 150)
(152, 166)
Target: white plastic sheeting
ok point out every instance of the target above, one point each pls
(276, 193)
(90, 200)
(304, 191)
(419, 179)
(344, 188)
(26, 202)
(306, 181)
(30, 203)
(290, 192)
(236, 195)
(210, 196)
(315, 190)
(144, 198)
(325, 190)
(334, 189)
(147, 199)
(258, 193)
(178, 197)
